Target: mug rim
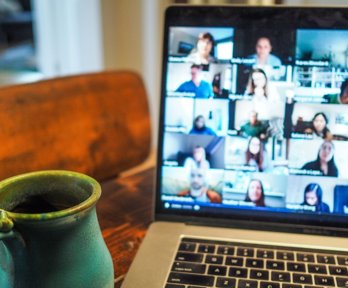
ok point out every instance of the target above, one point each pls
(82, 206)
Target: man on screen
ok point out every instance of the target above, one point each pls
(263, 56)
(201, 88)
(254, 127)
(198, 190)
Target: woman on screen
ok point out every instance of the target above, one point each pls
(313, 195)
(256, 155)
(325, 162)
(265, 100)
(255, 193)
(201, 54)
(319, 126)
(198, 159)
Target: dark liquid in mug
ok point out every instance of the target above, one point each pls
(38, 205)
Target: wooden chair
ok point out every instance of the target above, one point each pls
(97, 124)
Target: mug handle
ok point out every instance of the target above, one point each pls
(11, 246)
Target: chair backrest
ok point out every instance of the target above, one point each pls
(97, 124)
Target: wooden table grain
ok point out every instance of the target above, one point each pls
(124, 213)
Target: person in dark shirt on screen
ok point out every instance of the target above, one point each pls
(254, 127)
(199, 127)
(325, 162)
(255, 193)
(313, 195)
(201, 88)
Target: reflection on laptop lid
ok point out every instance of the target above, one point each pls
(254, 123)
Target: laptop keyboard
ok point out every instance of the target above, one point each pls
(206, 263)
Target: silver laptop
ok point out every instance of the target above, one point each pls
(252, 174)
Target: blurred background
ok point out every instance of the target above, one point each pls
(47, 38)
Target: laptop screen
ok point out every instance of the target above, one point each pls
(254, 116)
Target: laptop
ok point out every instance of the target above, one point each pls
(252, 173)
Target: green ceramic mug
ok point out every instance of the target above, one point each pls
(49, 232)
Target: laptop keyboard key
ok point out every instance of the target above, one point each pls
(238, 272)
(187, 247)
(259, 274)
(225, 250)
(342, 260)
(305, 257)
(246, 252)
(247, 284)
(284, 255)
(342, 282)
(317, 269)
(189, 257)
(174, 286)
(269, 285)
(296, 267)
(280, 276)
(189, 267)
(223, 282)
(254, 263)
(266, 254)
(324, 281)
(217, 270)
(291, 286)
(302, 278)
(212, 259)
(205, 248)
(325, 259)
(275, 265)
(234, 261)
(191, 279)
(338, 270)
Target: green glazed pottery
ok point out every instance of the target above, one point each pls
(49, 232)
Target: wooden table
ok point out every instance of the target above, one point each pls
(125, 212)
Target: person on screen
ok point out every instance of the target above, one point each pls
(313, 195)
(255, 193)
(201, 54)
(263, 56)
(199, 127)
(319, 127)
(341, 98)
(198, 190)
(198, 159)
(201, 88)
(325, 162)
(254, 127)
(264, 97)
(256, 155)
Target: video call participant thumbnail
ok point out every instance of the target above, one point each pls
(201, 55)
(255, 193)
(319, 127)
(254, 127)
(263, 55)
(313, 195)
(199, 127)
(198, 190)
(256, 155)
(325, 162)
(198, 86)
(198, 159)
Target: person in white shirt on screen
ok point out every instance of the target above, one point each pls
(265, 99)
(263, 54)
(201, 54)
(198, 159)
